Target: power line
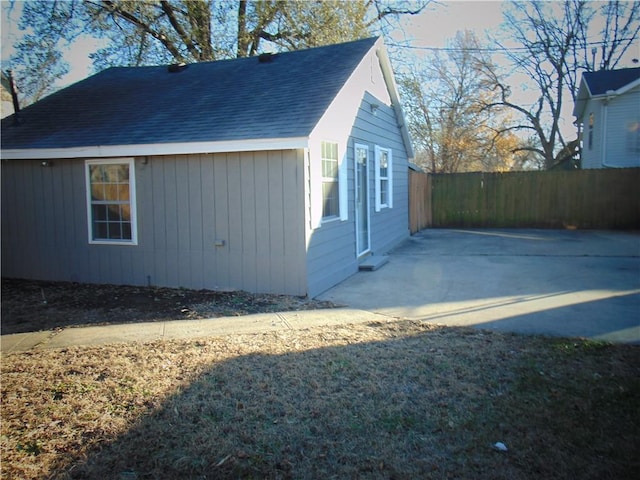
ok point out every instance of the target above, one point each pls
(488, 49)
(453, 49)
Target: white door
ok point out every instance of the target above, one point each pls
(362, 198)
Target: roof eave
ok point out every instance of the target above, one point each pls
(581, 100)
(627, 87)
(612, 93)
(387, 73)
(143, 150)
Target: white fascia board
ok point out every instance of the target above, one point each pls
(614, 93)
(143, 150)
(581, 99)
(627, 87)
(336, 122)
(387, 73)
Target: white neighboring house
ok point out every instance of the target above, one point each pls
(607, 110)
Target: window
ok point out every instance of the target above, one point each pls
(384, 178)
(633, 137)
(590, 137)
(111, 201)
(330, 180)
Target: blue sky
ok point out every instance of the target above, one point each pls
(432, 28)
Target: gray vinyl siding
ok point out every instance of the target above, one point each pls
(623, 115)
(389, 226)
(592, 157)
(332, 253)
(612, 138)
(43, 219)
(252, 201)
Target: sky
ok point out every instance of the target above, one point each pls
(432, 28)
(440, 23)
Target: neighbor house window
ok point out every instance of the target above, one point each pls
(384, 178)
(111, 202)
(590, 136)
(330, 180)
(633, 137)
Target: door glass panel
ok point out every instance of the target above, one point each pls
(362, 201)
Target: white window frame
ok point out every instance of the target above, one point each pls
(379, 178)
(132, 201)
(342, 184)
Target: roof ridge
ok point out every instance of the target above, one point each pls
(237, 59)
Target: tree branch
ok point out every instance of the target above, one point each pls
(382, 13)
(186, 39)
(115, 9)
(529, 149)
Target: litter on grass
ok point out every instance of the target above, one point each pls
(501, 447)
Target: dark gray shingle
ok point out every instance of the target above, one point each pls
(605, 80)
(205, 102)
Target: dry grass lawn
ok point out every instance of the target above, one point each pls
(388, 400)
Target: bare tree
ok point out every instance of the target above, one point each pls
(554, 45)
(618, 33)
(445, 98)
(163, 31)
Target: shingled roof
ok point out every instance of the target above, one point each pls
(603, 84)
(281, 96)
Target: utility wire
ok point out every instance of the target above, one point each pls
(487, 49)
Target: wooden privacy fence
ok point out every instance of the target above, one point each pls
(596, 199)
(419, 201)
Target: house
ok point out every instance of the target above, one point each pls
(607, 110)
(273, 174)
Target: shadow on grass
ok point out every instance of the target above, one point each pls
(417, 404)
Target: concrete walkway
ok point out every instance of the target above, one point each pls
(563, 283)
(181, 329)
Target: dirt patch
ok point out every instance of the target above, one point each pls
(33, 306)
